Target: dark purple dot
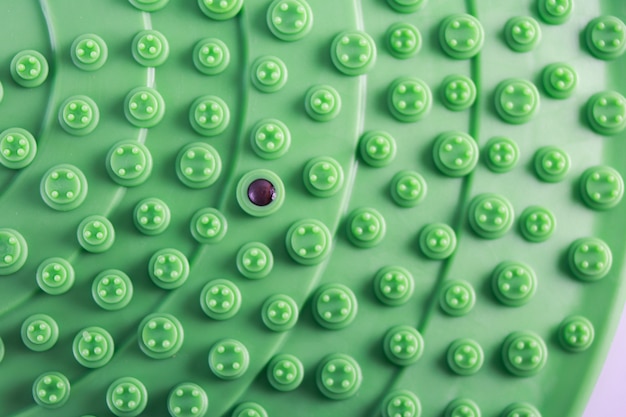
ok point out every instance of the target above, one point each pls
(261, 192)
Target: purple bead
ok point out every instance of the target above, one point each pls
(261, 192)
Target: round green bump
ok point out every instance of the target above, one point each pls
(516, 100)
(55, 276)
(537, 223)
(265, 200)
(149, 5)
(366, 227)
(589, 259)
(229, 359)
(403, 345)
(403, 40)
(401, 403)
(96, 234)
(409, 99)
(39, 332)
(168, 268)
(51, 390)
(323, 176)
(17, 148)
(601, 187)
(461, 36)
(13, 251)
(338, 376)
(393, 285)
(29, 68)
(209, 115)
(1, 350)
(465, 357)
(160, 335)
(249, 409)
(522, 33)
(462, 407)
(255, 260)
(63, 187)
(285, 372)
(308, 241)
(334, 306)
(406, 6)
(458, 92)
(559, 80)
(377, 148)
(220, 9)
(220, 299)
(187, 400)
(455, 153)
(89, 52)
(491, 215)
(93, 347)
(289, 20)
(151, 216)
(129, 163)
(437, 241)
(555, 12)
(322, 103)
(270, 139)
(211, 56)
(269, 74)
(520, 410)
(353, 52)
(551, 164)
(279, 313)
(576, 334)
(144, 107)
(501, 154)
(606, 112)
(150, 48)
(79, 115)
(198, 165)
(457, 298)
(112, 289)
(513, 283)
(524, 353)
(208, 225)
(408, 188)
(127, 397)
(606, 37)
(1, 92)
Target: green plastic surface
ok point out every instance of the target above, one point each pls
(309, 207)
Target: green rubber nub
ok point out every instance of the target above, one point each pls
(249, 409)
(151, 216)
(520, 410)
(501, 154)
(353, 52)
(285, 372)
(601, 187)
(393, 285)
(18, 148)
(229, 359)
(408, 188)
(323, 176)
(334, 306)
(149, 5)
(63, 187)
(29, 68)
(401, 403)
(270, 139)
(606, 112)
(208, 226)
(1, 350)
(220, 10)
(457, 298)
(461, 36)
(168, 268)
(129, 163)
(559, 80)
(289, 20)
(211, 56)
(79, 115)
(209, 115)
(220, 299)
(522, 33)
(279, 313)
(187, 400)
(308, 241)
(465, 357)
(524, 353)
(409, 99)
(160, 335)
(198, 165)
(517, 100)
(377, 148)
(606, 37)
(589, 259)
(112, 289)
(144, 107)
(255, 260)
(463, 407)
(555, 12)
(265, 201)
(13, 251)
(437, 241)
(406, 6)
(576, 334)
(89, 52)
(150, 48)
(322, 103)
(269, 74)
(39, 332)
(513, 283)
(338, 376)
(403, 345)
(95, 234)
(551, 164)
(127, 397)
(366, 227)
(93, 347)
(455, 154)
(51, 390)
(537, 224)
(403, 40)
(55, 276)
(490, 215)
(458, 92)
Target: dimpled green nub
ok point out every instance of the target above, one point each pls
(490, 215)
(437, 241)
(13, 251)
(255, 260)
(17, 148)
(576, 334)
(458, 92)
(211, 56)
(51, 390)
(160, 335)
(403, 40)
(198, 165)
(1, 350)
(127, 397)
(39, 332)
(220, 9)
(220, 299)
(524, 353)
(168, 268)
(501, 154)
(465, 357)
(187, 400)
(150, 48)
(338, 376)
(112, 289)
(289, 20)
(560, 80)
(270, 138)
(93, 347)
(409, 99)
(408, 188)
(322, 103)
(522, 33)
(589, 259)
(353, 52)
(366, 227)
(246, 193)
(208, 225)
(513, 283)
(249, 409)
(403, 345)
(89, 52)
(229, 359)
(537, 223)
(520, 410)
(285, 372)
(149, 5)
(606, 37)
(209, 115)
(151, 216)
(406, 6)
(279, 313)
(129, 163)
(461, 36)
(323, 176)
(308, 241)
(377, 148)
(462, 407)
(517, 100)
(555, 12)
(95, 234)
(457, 298)
(401, 403)
(393, 285)
(55, 276)
(79, 115)
(551, 163)
(601, 187)
(334, 306)
(29, 68)
(269, 74)
(63, 187)
(606, 112)
(144, 107)
(455, 153)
